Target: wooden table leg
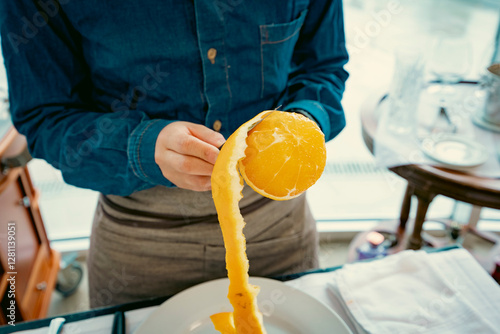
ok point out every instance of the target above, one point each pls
(405, 208)
(415, 240)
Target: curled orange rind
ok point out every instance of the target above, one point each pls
(287, 136)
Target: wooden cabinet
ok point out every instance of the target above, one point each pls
(29, 266)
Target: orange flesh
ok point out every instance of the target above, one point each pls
(286, 155)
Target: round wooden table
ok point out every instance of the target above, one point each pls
(425, 182)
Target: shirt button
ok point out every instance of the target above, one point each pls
(217, 125)
(211, 54)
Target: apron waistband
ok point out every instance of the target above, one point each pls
(158, 220)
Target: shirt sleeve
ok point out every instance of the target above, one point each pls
(317, 78)
(111, 151)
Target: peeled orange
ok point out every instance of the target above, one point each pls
(280, 155)
(285, 155)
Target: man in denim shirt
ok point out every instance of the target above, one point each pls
(134, 98)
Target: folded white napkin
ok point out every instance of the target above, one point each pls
(417, 292)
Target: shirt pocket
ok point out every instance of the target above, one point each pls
(277, 42)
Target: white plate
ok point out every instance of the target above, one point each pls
(286, 310)
(453, 150)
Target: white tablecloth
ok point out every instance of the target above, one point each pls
(412, 292)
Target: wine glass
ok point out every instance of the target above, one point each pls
(449, 61)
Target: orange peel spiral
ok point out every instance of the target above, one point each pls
(280, 157)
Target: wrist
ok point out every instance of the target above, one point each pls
(303, 112)
(141, 151)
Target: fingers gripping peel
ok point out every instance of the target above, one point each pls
(239, 154)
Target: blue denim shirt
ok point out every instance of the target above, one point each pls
(92, 83)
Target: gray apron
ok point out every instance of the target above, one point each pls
(160, 241)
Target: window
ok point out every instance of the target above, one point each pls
(354, 192)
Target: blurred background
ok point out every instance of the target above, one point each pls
(354, 193)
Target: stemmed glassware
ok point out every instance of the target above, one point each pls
(449, 61)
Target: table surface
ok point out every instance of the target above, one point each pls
(464, 187)
(140, 308)
(138, 311)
